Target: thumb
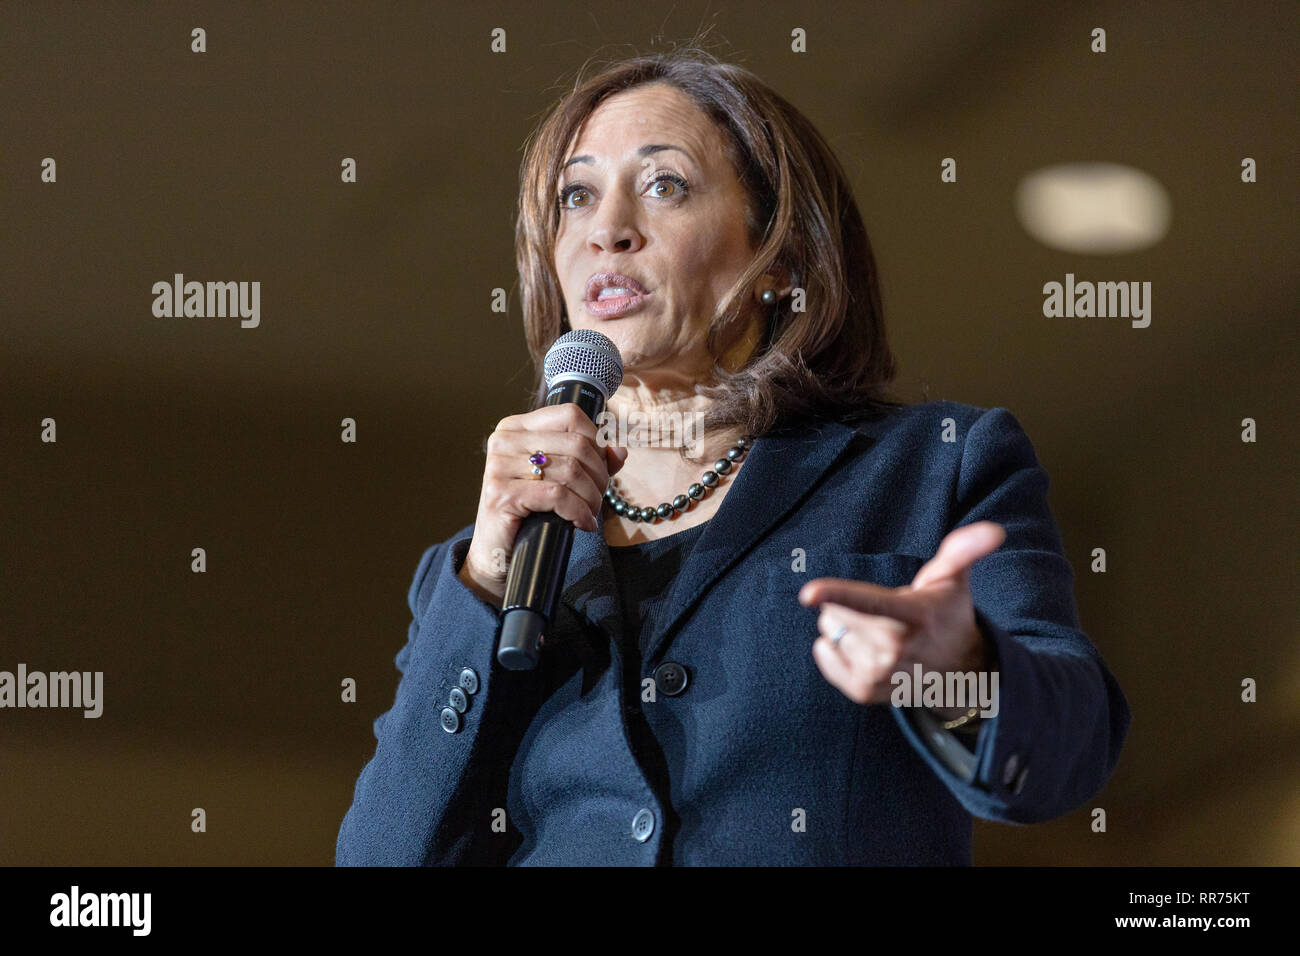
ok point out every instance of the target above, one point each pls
(616, 455)
(959, 550)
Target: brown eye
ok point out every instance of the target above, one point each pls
(668, 187)
(569, 191)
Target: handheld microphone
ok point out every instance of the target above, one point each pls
(582, 367)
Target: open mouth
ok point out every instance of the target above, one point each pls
(615, 301)
(612, 293)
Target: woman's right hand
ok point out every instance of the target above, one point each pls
(572, 485)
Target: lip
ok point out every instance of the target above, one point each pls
(614, 306)
(603, 280)
(617, 305)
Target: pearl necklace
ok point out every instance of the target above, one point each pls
(624, 508)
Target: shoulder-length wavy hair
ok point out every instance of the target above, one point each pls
(832, 359)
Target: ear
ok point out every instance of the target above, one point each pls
(779, 277)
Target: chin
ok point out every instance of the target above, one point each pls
(613, 329)
(626, 335)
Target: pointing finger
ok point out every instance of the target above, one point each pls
(862, 596)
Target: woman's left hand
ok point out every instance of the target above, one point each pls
(930, 621)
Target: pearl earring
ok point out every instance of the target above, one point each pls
(768, 296)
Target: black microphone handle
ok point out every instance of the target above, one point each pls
(540, 558)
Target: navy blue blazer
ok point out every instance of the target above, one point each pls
(766, 762)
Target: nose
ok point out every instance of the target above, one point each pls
(614, 228)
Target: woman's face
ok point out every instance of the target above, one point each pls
(648, 193)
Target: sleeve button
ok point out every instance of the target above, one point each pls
(469, 681)
(1009, 770)
(1020, 781)
(450, 720)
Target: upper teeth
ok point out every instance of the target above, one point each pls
(613, 290)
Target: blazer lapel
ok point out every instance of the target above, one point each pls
(589, 588)
(777, 473)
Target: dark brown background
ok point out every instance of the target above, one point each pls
(222, 689)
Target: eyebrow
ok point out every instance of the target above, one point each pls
(645, 150)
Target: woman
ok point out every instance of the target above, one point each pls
(718, 684)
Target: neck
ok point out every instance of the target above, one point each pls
(663, 409)
(654, 422)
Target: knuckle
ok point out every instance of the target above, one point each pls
(576, 444)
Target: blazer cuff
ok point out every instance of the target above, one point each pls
(455, 709)
(989, 780)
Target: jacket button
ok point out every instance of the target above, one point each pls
(450, 720)
(469, 681)
(643, 824)
(458, 700)
(670, 677)
(1009, 770)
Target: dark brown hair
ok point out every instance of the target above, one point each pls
(830, 361)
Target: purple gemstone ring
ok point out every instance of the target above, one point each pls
(537, 460)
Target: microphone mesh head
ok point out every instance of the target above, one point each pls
(587, 354)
